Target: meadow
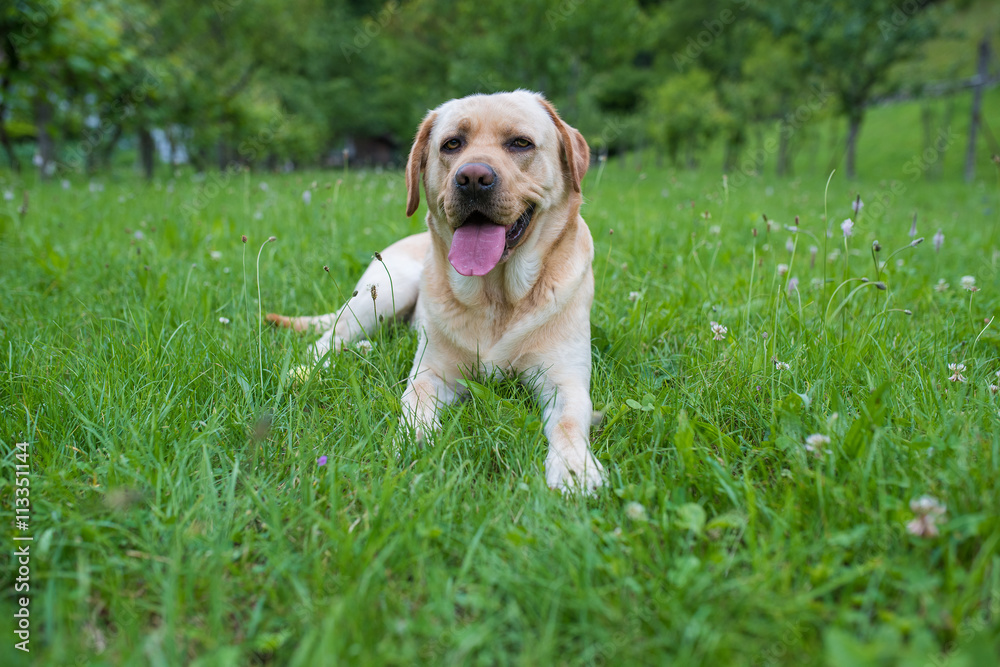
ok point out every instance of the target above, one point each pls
(193, 502)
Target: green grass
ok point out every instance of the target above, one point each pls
(180, 517)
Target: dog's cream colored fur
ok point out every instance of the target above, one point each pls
(530, 315)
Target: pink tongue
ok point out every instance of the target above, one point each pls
(477, 247)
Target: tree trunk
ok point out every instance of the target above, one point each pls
(853, 127)
(982, 71)
(8, 147)
(147, 152)
(46, 144)
(104, 159)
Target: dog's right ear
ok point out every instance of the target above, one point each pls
(417, 162)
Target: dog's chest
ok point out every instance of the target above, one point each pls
(489, 337)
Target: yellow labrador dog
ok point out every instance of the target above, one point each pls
(502, 280)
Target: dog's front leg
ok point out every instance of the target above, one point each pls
(567, 412)
(429, 386)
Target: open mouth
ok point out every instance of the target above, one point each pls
(479, 244)
(516, 231)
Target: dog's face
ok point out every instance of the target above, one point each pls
(493, 166)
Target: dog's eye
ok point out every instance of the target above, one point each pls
(521, 143)
(451, 145)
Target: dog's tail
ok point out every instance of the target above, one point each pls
(316, 324)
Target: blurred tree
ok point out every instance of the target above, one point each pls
(264, 82)
(713, 37)
(59, 51)
(777, 85)
(852, 45)
(684, 114)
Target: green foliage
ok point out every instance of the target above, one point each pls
(240, 82)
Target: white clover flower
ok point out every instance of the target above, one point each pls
(363, 346)
(634, 296)
(969, 283)
(928, 511)
(223, 320)
(816, 444)
(257, 215)
(857, 205)
(941, 286)
(956, 372)
(781, 366)
(793, 285)
(719, 331)
(215, 254)
(715, 229)
(816, 283)
(635, 511)
(782, 269)
(8, 195)
(65, 184)
(307, 197)
(818, 440)
(790, 244)
(847, 226)
(38, 160)
(138, 235)
(994, 388)
(263, 186)
(834, 255)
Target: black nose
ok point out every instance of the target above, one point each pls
(475, 177)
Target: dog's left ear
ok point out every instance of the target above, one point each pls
(574, 146)
(417, 162)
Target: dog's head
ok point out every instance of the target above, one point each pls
(493, 165)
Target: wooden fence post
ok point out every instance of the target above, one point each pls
(982, 72)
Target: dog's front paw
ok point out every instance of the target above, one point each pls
(572, 472)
